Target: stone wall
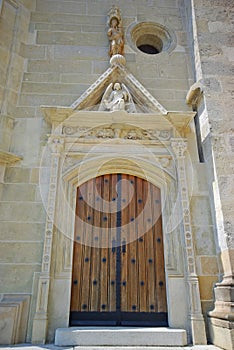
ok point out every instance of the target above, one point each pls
(213, 47)
(52, 51)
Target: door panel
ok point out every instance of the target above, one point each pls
(118, 265)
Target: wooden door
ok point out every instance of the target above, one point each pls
(118, 273)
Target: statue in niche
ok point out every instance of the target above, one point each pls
(117, 98)
(115, 32)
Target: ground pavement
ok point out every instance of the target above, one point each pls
(53, 347)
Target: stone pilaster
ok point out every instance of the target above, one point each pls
(213, 65)
(179, 147)
(40, 321)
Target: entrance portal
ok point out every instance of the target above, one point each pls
(118, 273)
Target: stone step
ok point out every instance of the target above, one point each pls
(120, 336)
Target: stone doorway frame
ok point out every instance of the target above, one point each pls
(69, 150)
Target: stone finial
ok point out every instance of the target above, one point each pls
(115, 32)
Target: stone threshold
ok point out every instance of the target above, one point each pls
(120, 336)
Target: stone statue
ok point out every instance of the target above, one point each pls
(115, 32)
(117, 98)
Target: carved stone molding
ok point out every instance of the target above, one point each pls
(56, 143)
(179, 146)
(111, 132)
(8, 157)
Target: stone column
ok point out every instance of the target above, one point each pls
(179, 146)
(40, 321)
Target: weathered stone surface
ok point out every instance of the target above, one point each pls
(53, 61)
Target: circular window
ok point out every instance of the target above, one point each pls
(150, 38)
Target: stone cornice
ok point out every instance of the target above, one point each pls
(8, 157)
(69, 117)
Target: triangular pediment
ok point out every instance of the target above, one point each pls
(143, 101)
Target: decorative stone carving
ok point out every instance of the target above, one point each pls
(117, 98)
(56, 143)
(179, 146)
(111, 132)
(115, 32)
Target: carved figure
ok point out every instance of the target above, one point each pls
(115, 32)
(117, 98)
(105, 133)
(133, 135)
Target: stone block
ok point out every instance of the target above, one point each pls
(61, 6)
(42, 77)
(34, 177)
(204, 241)
(221, 333)
(54, 100)
(206, 286)
(18, 192)
(178, 291)
(70, 38)
(58, 27)
(13, 318)
(67, 52)
(218, 68)
(173, 72)
(44, 17)
(21, 231)
(173, 22)
(17, 278)
(209, 265)
(200, 211)
(24, 112)
(128, 8)
(219, 27)
(20, 252)
(17, 175)
(125, 336)
(59, 66)
(174, 105)
(32, 51)
(22, 211)
(53, 88)
(100, 67)
(78, 78)
(29, 4)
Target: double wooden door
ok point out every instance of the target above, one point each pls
(118, 273)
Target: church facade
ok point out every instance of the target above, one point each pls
(116, 168)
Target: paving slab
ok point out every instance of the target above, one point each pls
(54, 347)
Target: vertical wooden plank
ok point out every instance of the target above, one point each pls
(124, 236)
(78, 253)
(104, 250)
(141, 250)
(149, 252)
(85, 293)
(113, 242)
(133, 285)
(96, 250)
(159, 253)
